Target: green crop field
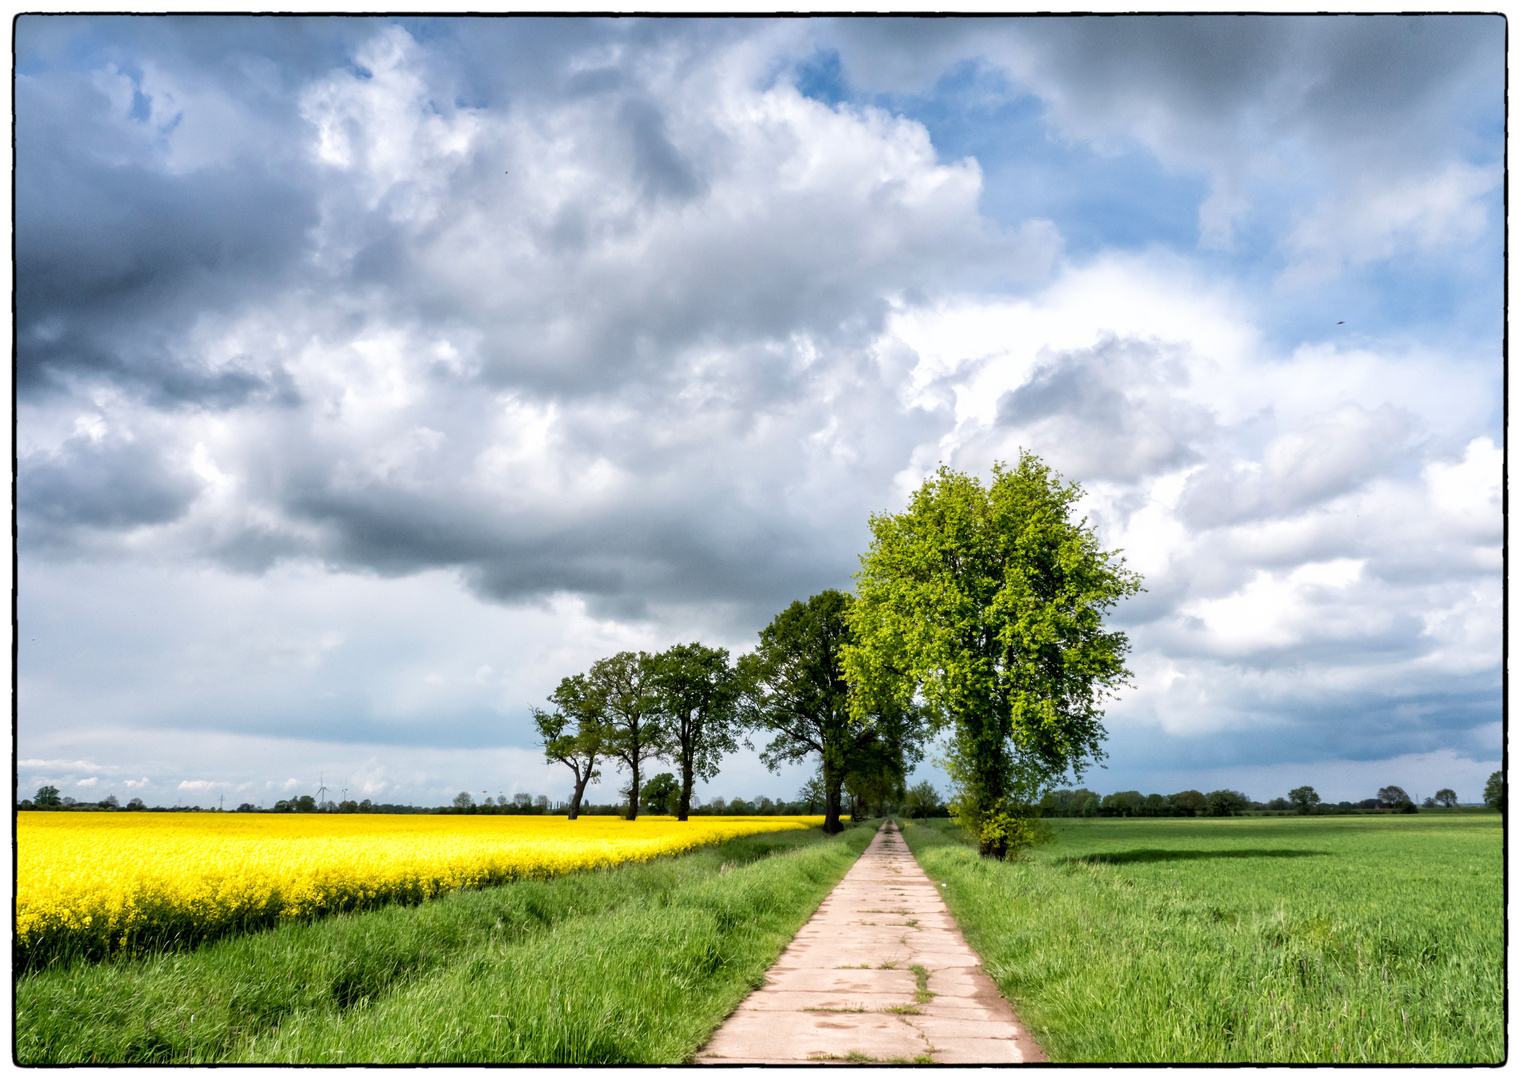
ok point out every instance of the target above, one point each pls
(636, 964)
(1323, 939)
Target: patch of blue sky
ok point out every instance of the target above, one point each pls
(1411, 297)
(1097, 201)
(821, 78)
(1126, 199)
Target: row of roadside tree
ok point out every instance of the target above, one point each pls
(1226, 802)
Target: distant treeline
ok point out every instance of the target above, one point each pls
(1226, 802)
(306, 804)
(660, 795)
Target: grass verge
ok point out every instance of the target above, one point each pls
(1370, 940)
(637, 964)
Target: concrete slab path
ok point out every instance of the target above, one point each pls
(880, 973)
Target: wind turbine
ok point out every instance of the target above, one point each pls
(321, 790)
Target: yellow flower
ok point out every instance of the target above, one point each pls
(86, 883)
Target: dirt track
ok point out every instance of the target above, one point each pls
(880, 973)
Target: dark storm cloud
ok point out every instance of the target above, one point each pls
(118, 256)
(1363, 79)
(105, 484)
(1358, 724)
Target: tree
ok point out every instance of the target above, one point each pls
(137, 804)
(1446, 797)
(810, 795)
(464, 801)
(1124, 803)
(109, 803)
(306, 804)
(922, 800)
(989, 603)
(1393, 796)
(574, 734)
(634, 730)
(1493, 792)
(47, 795)
(795, 688)
(1189, 801)
(698, 693)
(661, 794)
(1304, 799)
(880, 756)
(1226, 802)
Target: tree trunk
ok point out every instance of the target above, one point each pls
(685, 808)
(831, 786)
(633, 793)
(575, 799)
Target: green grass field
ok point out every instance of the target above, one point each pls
(1326, 939)
(635, 964)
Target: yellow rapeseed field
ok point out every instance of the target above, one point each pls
(101, 884)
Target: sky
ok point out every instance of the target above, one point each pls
(374, 375)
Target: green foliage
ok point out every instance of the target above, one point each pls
(1446, 797)
(1376, 939)
(1393, 795)
(1493, 791)
(638, 964)
(575, 734)
(1304, 799)
(795, 689)
(1123, 803)
(661, 794)
(463, 801)
(633, 728)
(47, 795)
(1189, 800)
(697, 692)
(987, 604)
(1225, 802)
(921, 800)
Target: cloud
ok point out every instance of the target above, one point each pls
(373, 375)
(100, 483)
(1110, 412)
(1327, 455)
(196, 785)
(1260, 103)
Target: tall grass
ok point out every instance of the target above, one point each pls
(1243, 940)
(634, 964)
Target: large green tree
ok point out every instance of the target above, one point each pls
(1304, 799)
(988, 603)
(795, 689)
(634, 728)
(697, 691)
(574, 733)
(881, 755)
(1493, 791)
